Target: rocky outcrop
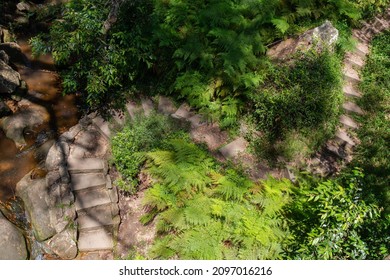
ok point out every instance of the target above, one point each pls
(13, 50)
(12, 242)
(321, 37)
(9, 78)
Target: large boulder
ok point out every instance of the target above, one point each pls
(321, 37)
(5, 35)
(9, 78)
(35, 195)
(28, 117)
(4, 109)
(12, 242)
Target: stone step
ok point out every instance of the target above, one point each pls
(380, 23)
(351, 107)
(362, 49)
(357, 35)
(348, 122)
(133, 109)
(100, 217)
(343, 136)
(103, 126)
(350, 91)
(87, 180)
(166, 105)
(113, 206)
(94, 240)
(196, 120)
(351, 75)
(232, 149)
(183, 112)
(147, 105)
(336, 150)
(91, 197)
(86, 165)
(119, 118)
(354, 60)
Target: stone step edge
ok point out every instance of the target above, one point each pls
(114, 222)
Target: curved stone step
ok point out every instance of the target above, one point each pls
(232, 149)
(100, 216)
(362, 49)
(336, 150)
(351, 107)
(351, 75)
(343, 136)
(350, 91)
(119, 118)
(196, 120)
(86, 165)
(356, 34)
(96, 239)
(354, 60)
(183, 112)
(82, 181)
(103, 126)
(91, 197)
(147, 105)
(380, 24)
(133, 109)
(348, 122)
(166, 105)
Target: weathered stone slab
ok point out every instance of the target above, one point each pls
(64, 244)
(354, 60)
(56, 156)
(147, 105)
(91, 198)
(96, 217)
(344, 137)
(86, 165)
(87, 180)
(166, 105)
(35, 195)
(351, 107)
(336, 150)
(348, 122)
(362, 49)
(103, 126)
(12, 242)
(183, 112)
(349, 90)
(133, 109)
(351, 74)
(232, 149)
(196, 120)
(99, 239)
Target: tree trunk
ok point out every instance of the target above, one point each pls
(113, 15)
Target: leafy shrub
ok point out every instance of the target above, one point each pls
(129, 146)
(191, 199)
(330, 219)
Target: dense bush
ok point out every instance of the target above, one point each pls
(298, 102)
(130, 145)
(331, 219)
(192, 198)
(373, 154)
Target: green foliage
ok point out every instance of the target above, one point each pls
(329, 219)
(373, 154)
(97, 64)
(298, 103)
(193, 199)
(130, 145)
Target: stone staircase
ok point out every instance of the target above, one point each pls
(339, 150)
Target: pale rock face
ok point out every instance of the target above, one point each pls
(321, 37)
(12, 242)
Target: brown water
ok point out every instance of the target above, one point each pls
(45, 95)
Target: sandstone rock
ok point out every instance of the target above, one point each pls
(28, 118)
(321, 37)
(25, 7)
(9, 78)
(64, 244)
(12, 242)
(57, 156)
(16, 56)
(5, 35)
(35, 195)
(4, 57)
